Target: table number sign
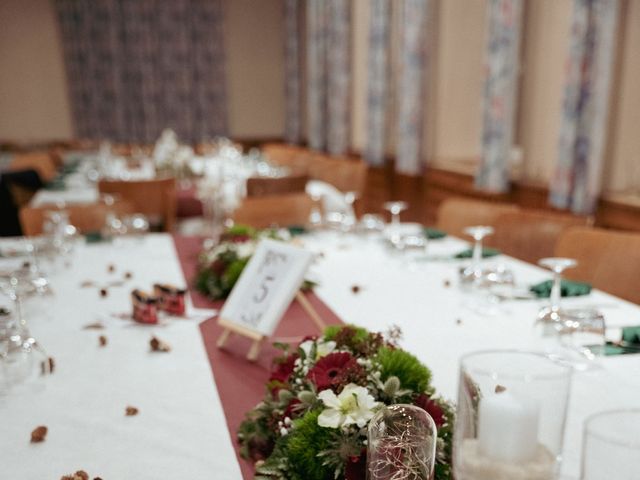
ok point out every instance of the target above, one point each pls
(268, 284)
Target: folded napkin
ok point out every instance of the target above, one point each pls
(433, 233)
(631, 335)
(486, 253)
(568, 288)
(295, 230)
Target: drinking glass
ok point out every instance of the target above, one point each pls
(395, 209)
(315, 217)
(511, 413)
(611, 446)
(349, 216)
(472, 275)
(548, 317)
(401, 444)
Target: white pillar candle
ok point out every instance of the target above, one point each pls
(508, 427)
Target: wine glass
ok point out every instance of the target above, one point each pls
(395, 208)
(549, 317)
(472, 275)
(315, 217)
(349, 216)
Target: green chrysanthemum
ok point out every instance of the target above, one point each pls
(412, 374)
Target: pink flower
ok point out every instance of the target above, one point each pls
(327, 371)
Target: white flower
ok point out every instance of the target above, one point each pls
(245, 249)
(353, 405)
(322, 348)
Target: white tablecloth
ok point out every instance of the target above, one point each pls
(180, 431)
(412, 295)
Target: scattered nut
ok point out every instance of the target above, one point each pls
(447, 283)
(458, 321)
(47, 366)
(500, 388)
(94, 326)
(128, 275)
(102, 340)
(39, 434)
(158, 345)
(79, 475)
(131, 411)
(87, 284)
(103, 292)
(355, 289)
(111, 268)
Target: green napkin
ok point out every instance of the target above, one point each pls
(56, 184)
(433, 233)
(631, 335)
(95, 237)
(295, 230)
(486, 253)
(568, 288)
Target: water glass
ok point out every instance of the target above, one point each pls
(611, 446)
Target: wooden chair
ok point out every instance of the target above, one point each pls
(455, 214)
(285, 155)
(86, 218)
(280, 210)
(608, 259)
(261, 186)
(41, 162)
(347, 174)
(531, 234)
(154, 198)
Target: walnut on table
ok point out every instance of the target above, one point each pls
(158, 345)
(131, 411)
(79, 475)
(102, 340)
(39, 434)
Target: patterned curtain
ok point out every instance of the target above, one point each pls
(328, 74)
(137, 67)
(292, 71)
(410, 95)
(379, 28)
(504, 18)
(577, 176)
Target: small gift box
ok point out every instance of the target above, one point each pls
(171, 299)
(144, 307)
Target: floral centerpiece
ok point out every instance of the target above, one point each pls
(312, 423)
(220, 267)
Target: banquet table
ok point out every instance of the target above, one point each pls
(192, 399)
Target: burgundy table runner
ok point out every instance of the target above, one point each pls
(187, 203)
(240, 382)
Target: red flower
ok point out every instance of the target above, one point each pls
(284, 369)
(328, 371)
(432, 408)
(290, 408)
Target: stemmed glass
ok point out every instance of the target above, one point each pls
(315, 217)
(572, 335)
(20, 350)
(473, 273)
(395, 208)
(349, 216)
(549, 317)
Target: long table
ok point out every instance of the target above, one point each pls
(187, 420)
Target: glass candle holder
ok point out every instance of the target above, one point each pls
(611, 446)
(401, 444)
(511, 415)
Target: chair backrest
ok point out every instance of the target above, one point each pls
(155, 198)
(286, 155)
(608, 259)
(261, 186)
(531, 234)
(347, 174)
(41, 162)
(281, 210)
(86, 218)
(455, 214)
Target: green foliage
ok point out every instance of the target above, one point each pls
(239, 230)
(303, 444)
(332, 331)
(412, 374)
(233, 272)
